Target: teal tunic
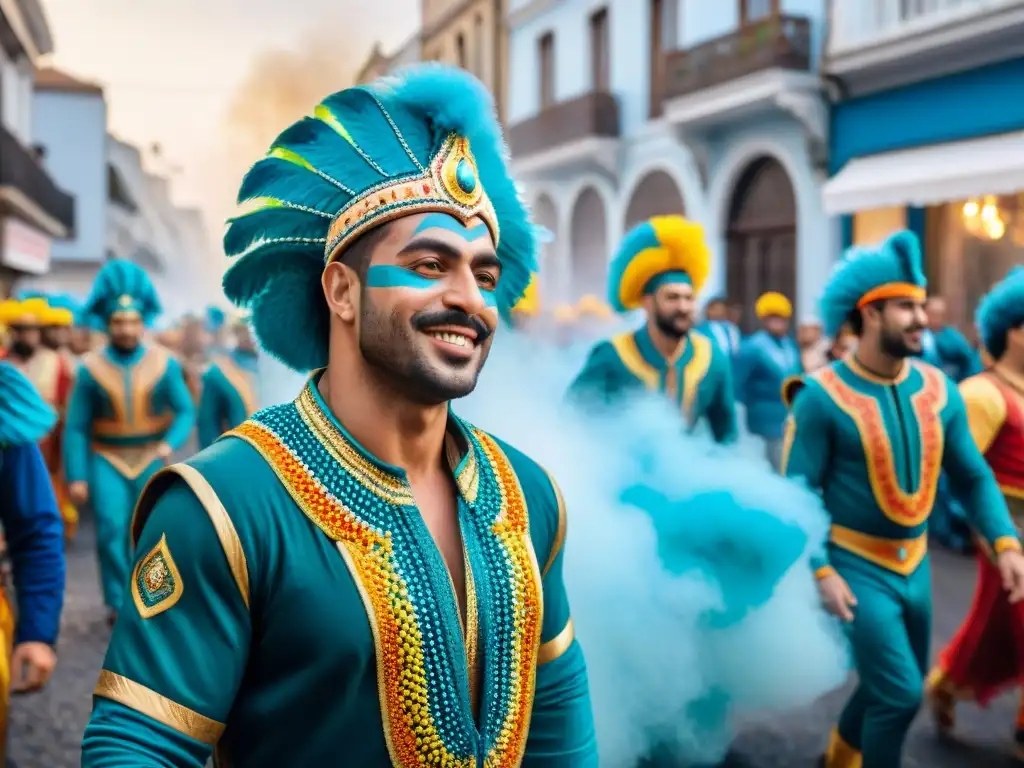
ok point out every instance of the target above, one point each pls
(229, 394)
(291, 608)
(875, 450)
(762, 365)
(699, 381)
(121, 408)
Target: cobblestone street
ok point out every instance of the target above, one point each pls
(46, 728)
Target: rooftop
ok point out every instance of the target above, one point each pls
(49, 79)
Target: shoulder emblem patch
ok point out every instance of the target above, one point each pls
(156, 583)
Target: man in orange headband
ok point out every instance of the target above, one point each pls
(872, 433)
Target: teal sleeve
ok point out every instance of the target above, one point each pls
(743, 365)
(970, 476)
(562, 726)
(722, 408)
(208, 417)
(181, 404)
(169, 680)
(807, 446)
(592, 383)
(77, 426)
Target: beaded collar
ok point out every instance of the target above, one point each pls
(427, 665)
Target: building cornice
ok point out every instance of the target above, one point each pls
(28, 23)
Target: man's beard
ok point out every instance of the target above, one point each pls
(23, 349)
(667, 325)
(124, 344)
(895, 347)
(389, 344)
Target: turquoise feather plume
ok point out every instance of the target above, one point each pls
(1001, 310)
(118, 278)
(896, 260)
(24, 416)
(358, 139)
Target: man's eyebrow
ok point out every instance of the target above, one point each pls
(447, 250)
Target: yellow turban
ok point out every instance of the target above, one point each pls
(773, 304)
(591, 306)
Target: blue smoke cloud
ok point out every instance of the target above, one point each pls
(687, 564)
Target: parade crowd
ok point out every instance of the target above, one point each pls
(360, 577)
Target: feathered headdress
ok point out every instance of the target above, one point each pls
(529, 303)
(1001, 310)
(665, 248)
(890, 270)
(425, 140)
(24, 416)
(122, 287)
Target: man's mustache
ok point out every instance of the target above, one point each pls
(454, 318)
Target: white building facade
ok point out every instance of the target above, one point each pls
(624, 109)
(34, 211)
(70, 127)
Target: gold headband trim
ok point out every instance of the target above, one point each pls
(451, 185)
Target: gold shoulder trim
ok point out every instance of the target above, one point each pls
(629, 354)
(222, 524)
(557, 645)
(791, 387)
(559, 541)
(150, 703)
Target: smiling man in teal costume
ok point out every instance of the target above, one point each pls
(129, 410)
(661, 267)
(229, 392)
(360, 577)
(872, 433)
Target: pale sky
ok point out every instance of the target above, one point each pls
(173, 68)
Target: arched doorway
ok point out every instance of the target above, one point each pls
(761, 236)
(655, 195)
(546, 215)
(589, 244)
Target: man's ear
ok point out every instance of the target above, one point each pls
(341, 290)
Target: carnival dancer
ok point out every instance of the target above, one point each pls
(32, 527)
(719, 327)
(661, 267)
(943, 346)
(129, 410)
(766, 359)
(52, 374)
(987, 654)
(230, 392)
(872, 433)
(415, 560)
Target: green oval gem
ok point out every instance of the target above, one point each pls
(465, 176)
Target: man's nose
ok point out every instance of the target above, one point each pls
(464, 293)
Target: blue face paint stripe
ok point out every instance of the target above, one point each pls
(451, 224)
(388, 276)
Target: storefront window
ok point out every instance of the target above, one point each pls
(971, 245)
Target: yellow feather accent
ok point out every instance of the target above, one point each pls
(529, 304)
(682, 248)
(290, 157)
(324, 115)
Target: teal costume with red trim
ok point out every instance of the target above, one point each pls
(661, 251)
(875, 449)
(290, 606)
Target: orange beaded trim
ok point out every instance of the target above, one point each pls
(512, 528)
(907, 509)
(412, 736)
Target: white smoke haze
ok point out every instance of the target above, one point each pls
(652, 652)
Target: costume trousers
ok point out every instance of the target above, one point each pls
(113, 499)
(889, 637)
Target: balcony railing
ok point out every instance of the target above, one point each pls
(594, 114)
(776, 42)
(857, 25)
(18, 169)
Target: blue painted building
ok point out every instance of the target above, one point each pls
(927, 132)
(623, 109)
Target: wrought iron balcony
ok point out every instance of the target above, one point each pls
(592, 115)
(775, 42)
(24, 173)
